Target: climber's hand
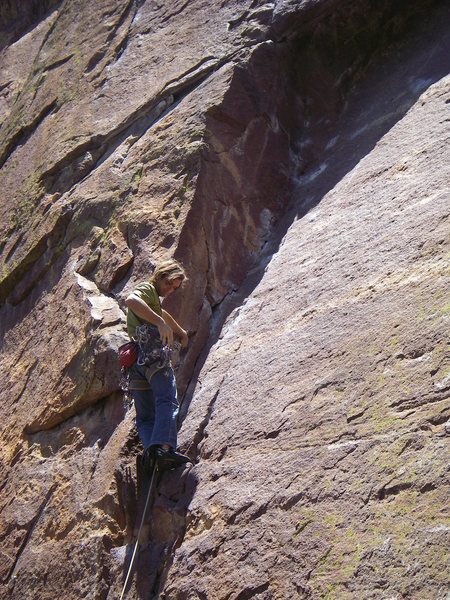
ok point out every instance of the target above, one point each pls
(166, 334)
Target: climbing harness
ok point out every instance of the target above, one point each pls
(146, 351)
(153, 356)
(152, 352)
(149, 493)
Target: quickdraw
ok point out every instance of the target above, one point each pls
(124, 385)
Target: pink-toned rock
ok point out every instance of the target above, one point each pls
(294, 156)
(322, 405)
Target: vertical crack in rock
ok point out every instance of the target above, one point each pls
(27, 378)
(21, 135)
(201, 430)
(30, 529)
(121, 44)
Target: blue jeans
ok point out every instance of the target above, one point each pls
(157, 409)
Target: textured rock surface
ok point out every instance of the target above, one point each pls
(294, 155)
(326, 394)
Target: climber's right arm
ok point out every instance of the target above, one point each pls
(142, 310)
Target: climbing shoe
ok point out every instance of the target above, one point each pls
(169, 459)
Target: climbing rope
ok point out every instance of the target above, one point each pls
(149, 493)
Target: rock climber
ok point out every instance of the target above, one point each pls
(152, 380)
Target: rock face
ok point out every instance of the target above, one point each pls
(294, 156)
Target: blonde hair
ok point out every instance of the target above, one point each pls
(170, 270)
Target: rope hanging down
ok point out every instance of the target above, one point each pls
(149, 493)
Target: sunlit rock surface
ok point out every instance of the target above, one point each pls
(294, 156)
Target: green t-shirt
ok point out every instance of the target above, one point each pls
(147, 292)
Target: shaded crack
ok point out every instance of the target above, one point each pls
(201, 434)
(22, 135)
(386, 491)
(49, 32)
(319, 562)
(293, 500)
(357, 415)
(233, 23)
(123, 17)
(292, 402)
(30, 531)
(196, 71)
(340, 459)
(262, 510)
(427, 487)
(29, 372)
(175, 13)
(323, 386)
(240, 511)
(411, 403)
(274, 433)
(439, 419)
(252, 591)
(5, 85)
(58, 63)
(17, 273)
(123, 42)
(346, 437)
(393, 490)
